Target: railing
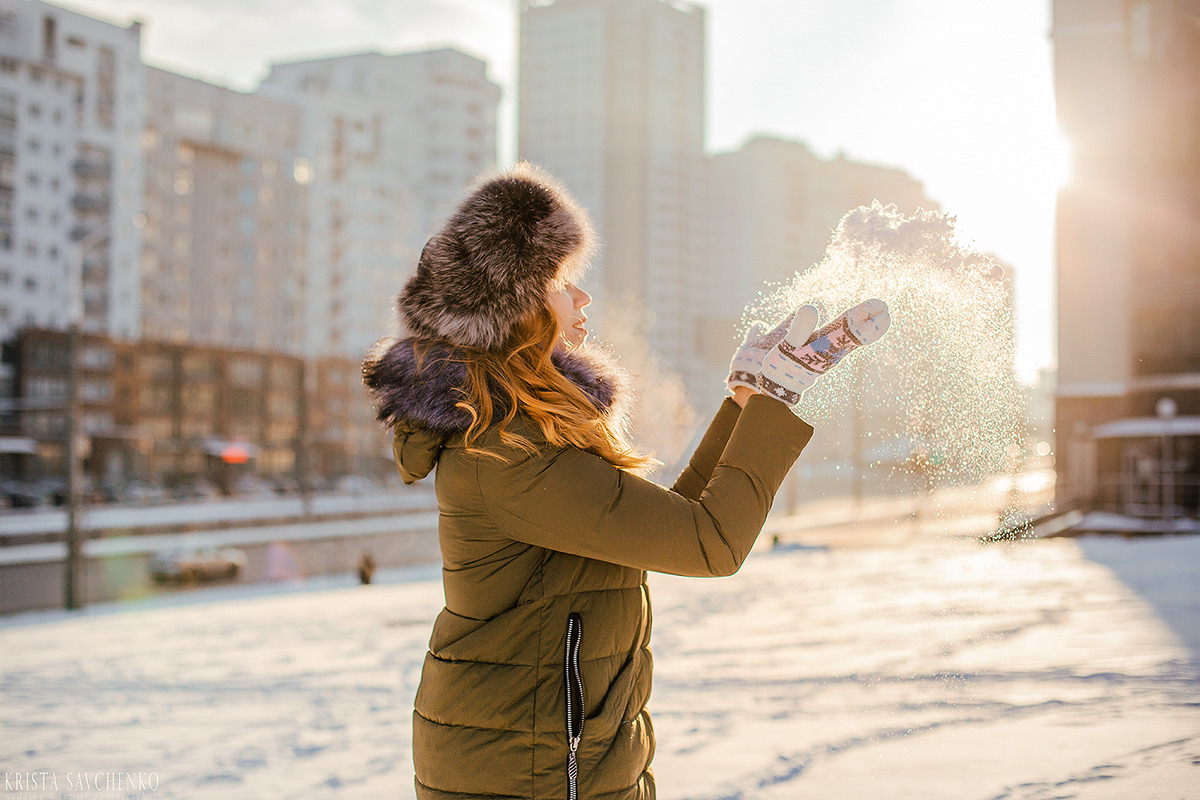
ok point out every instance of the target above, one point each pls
(1150, 496)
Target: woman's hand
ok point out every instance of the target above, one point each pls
(801, 356)
(748, 360)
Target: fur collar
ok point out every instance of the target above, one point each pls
(426, 395)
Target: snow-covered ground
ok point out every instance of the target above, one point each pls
(931, 668)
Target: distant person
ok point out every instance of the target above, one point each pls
(366, 568)
(538, 672)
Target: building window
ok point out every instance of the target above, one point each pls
(106, 88)
(97, 357)
(49, 38)
(246, 372)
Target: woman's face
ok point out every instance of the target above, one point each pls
(568, 304)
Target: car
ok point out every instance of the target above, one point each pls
(196, 564)
(355, 484)
(20, 494)
(254, 487)
(198, 489)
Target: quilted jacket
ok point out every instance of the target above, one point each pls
(545, 636)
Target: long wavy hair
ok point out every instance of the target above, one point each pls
(520, 378)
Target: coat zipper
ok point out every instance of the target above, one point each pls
(574, 684)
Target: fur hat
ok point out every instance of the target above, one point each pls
(509, 242)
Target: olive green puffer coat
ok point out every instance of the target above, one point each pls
(529, 544)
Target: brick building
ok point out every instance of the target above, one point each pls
(182, 415)
(1128, 400)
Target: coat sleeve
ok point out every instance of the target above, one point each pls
(699, 469)
(575, 502)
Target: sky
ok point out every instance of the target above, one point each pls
(959, 94)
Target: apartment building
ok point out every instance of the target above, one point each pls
(392, 142)
(612, 102)
(773, 208)
(70, 170)
(223, 259)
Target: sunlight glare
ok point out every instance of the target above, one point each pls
(1058, 156)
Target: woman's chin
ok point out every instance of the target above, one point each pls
(573, 338)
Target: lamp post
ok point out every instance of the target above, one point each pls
(1165, 409)
(74, 590)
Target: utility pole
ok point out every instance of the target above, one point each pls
(304, 438)
(73, 579)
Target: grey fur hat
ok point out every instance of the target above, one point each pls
(509, 242)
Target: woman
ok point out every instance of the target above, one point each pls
(538, 671)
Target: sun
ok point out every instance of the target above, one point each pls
(1057, 156)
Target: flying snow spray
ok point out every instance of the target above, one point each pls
(940, 387)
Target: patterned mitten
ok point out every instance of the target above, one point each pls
(747, 361)
(791, 367)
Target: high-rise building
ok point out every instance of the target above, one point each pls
(611, 102)
(223, 262)
(392, 141)
(70, 170)
(1128, 400)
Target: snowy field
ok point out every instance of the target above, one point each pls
(936, 668)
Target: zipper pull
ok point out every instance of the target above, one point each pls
(573, 772)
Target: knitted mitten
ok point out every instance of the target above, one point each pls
(791, 367)
(747, 361)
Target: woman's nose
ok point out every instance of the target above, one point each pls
(582, 298)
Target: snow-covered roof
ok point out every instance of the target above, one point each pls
(1147, 426)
